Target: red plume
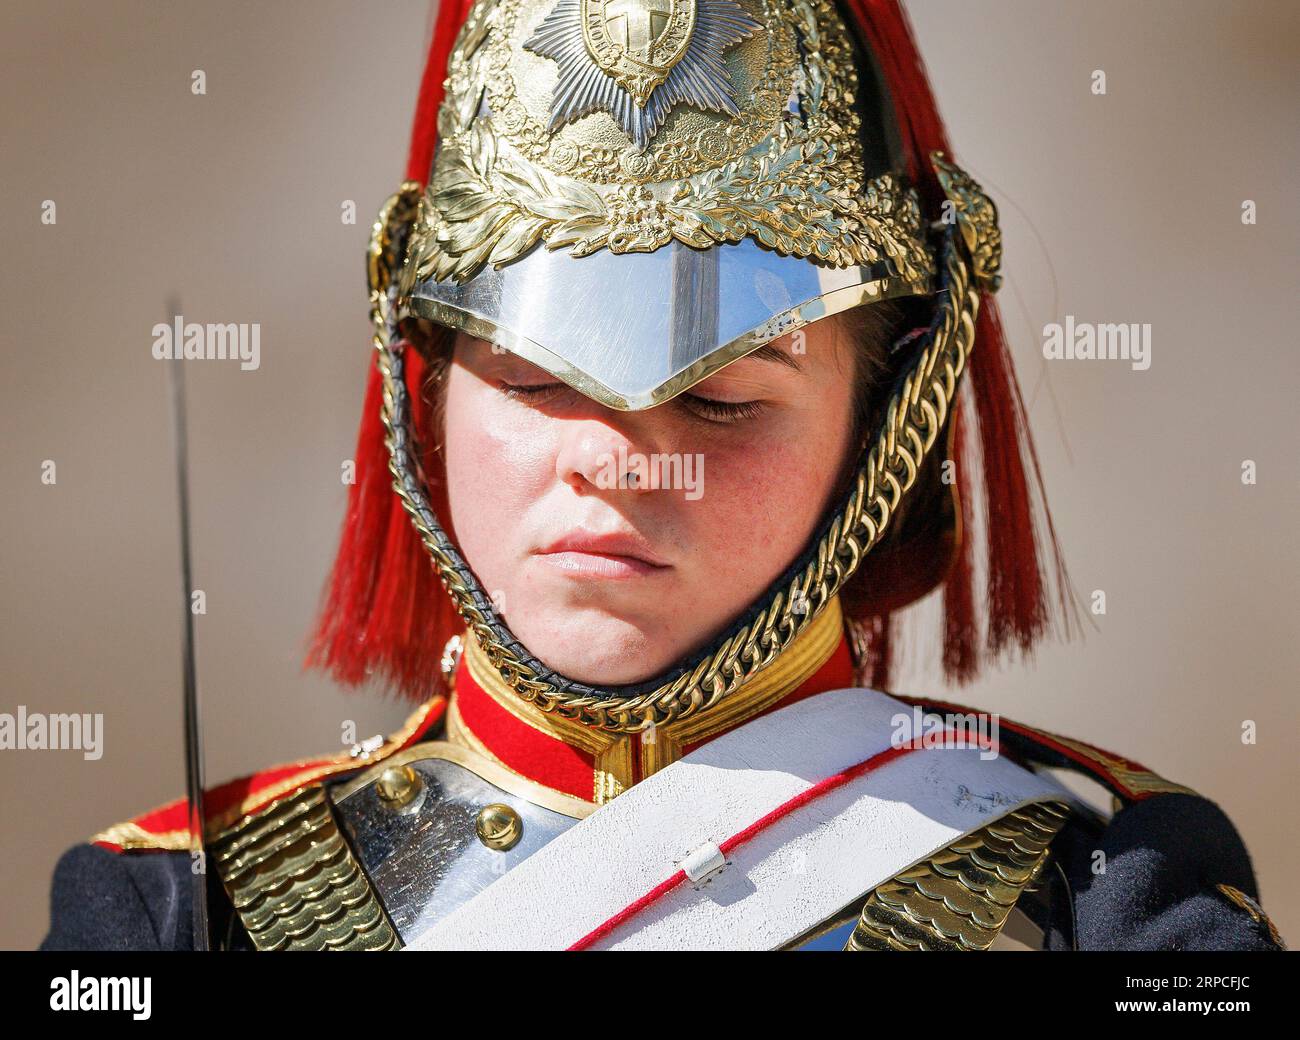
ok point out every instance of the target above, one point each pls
(961, 654)
(385, 614)
(1018, 609)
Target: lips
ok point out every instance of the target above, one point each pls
(617, 547)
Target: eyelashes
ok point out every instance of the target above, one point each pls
(720, 412)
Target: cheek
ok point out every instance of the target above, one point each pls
(768, 494)
(493, 449)
(497, 462)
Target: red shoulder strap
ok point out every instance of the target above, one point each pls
(166, 828)
(1128, 780)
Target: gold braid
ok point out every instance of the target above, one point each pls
(912, 422)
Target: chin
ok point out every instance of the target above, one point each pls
(592, 646)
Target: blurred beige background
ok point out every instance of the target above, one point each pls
(1122, 208)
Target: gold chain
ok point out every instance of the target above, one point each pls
(912, 422)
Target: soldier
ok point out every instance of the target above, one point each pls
(683, 331)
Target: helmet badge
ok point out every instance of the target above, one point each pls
(636, 59)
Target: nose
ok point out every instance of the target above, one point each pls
(595, 454)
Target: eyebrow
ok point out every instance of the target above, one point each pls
(767, 352)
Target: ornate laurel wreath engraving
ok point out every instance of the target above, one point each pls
(795, 191)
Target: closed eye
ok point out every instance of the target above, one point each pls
(532, 393)
(703, 407)
(721, 411)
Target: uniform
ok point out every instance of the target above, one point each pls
(1177, 876)
(633, 196)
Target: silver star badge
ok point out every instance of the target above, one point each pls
(636, 59)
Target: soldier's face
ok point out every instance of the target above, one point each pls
(613, 543)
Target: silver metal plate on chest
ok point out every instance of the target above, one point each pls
(434, 825)
(434, 850)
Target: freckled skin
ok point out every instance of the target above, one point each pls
(525, 471)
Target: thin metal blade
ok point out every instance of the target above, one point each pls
(193, 745)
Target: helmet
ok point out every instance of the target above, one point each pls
(633, 194)
(633, 219)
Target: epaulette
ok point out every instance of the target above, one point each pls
(1127, 780)
(1187, 896)
(165, 828)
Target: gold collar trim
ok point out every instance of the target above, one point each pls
(658, 745)
(812, 648)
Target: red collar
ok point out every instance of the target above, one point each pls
(487, 716)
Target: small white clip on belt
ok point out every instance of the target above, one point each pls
(704, 864)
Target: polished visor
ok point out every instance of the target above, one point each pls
(631, 330)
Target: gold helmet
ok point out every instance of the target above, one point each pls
(632, 194)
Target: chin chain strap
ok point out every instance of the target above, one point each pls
(970, 253)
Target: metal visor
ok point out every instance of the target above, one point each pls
(632, 330)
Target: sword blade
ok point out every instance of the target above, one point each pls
(193, 746)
